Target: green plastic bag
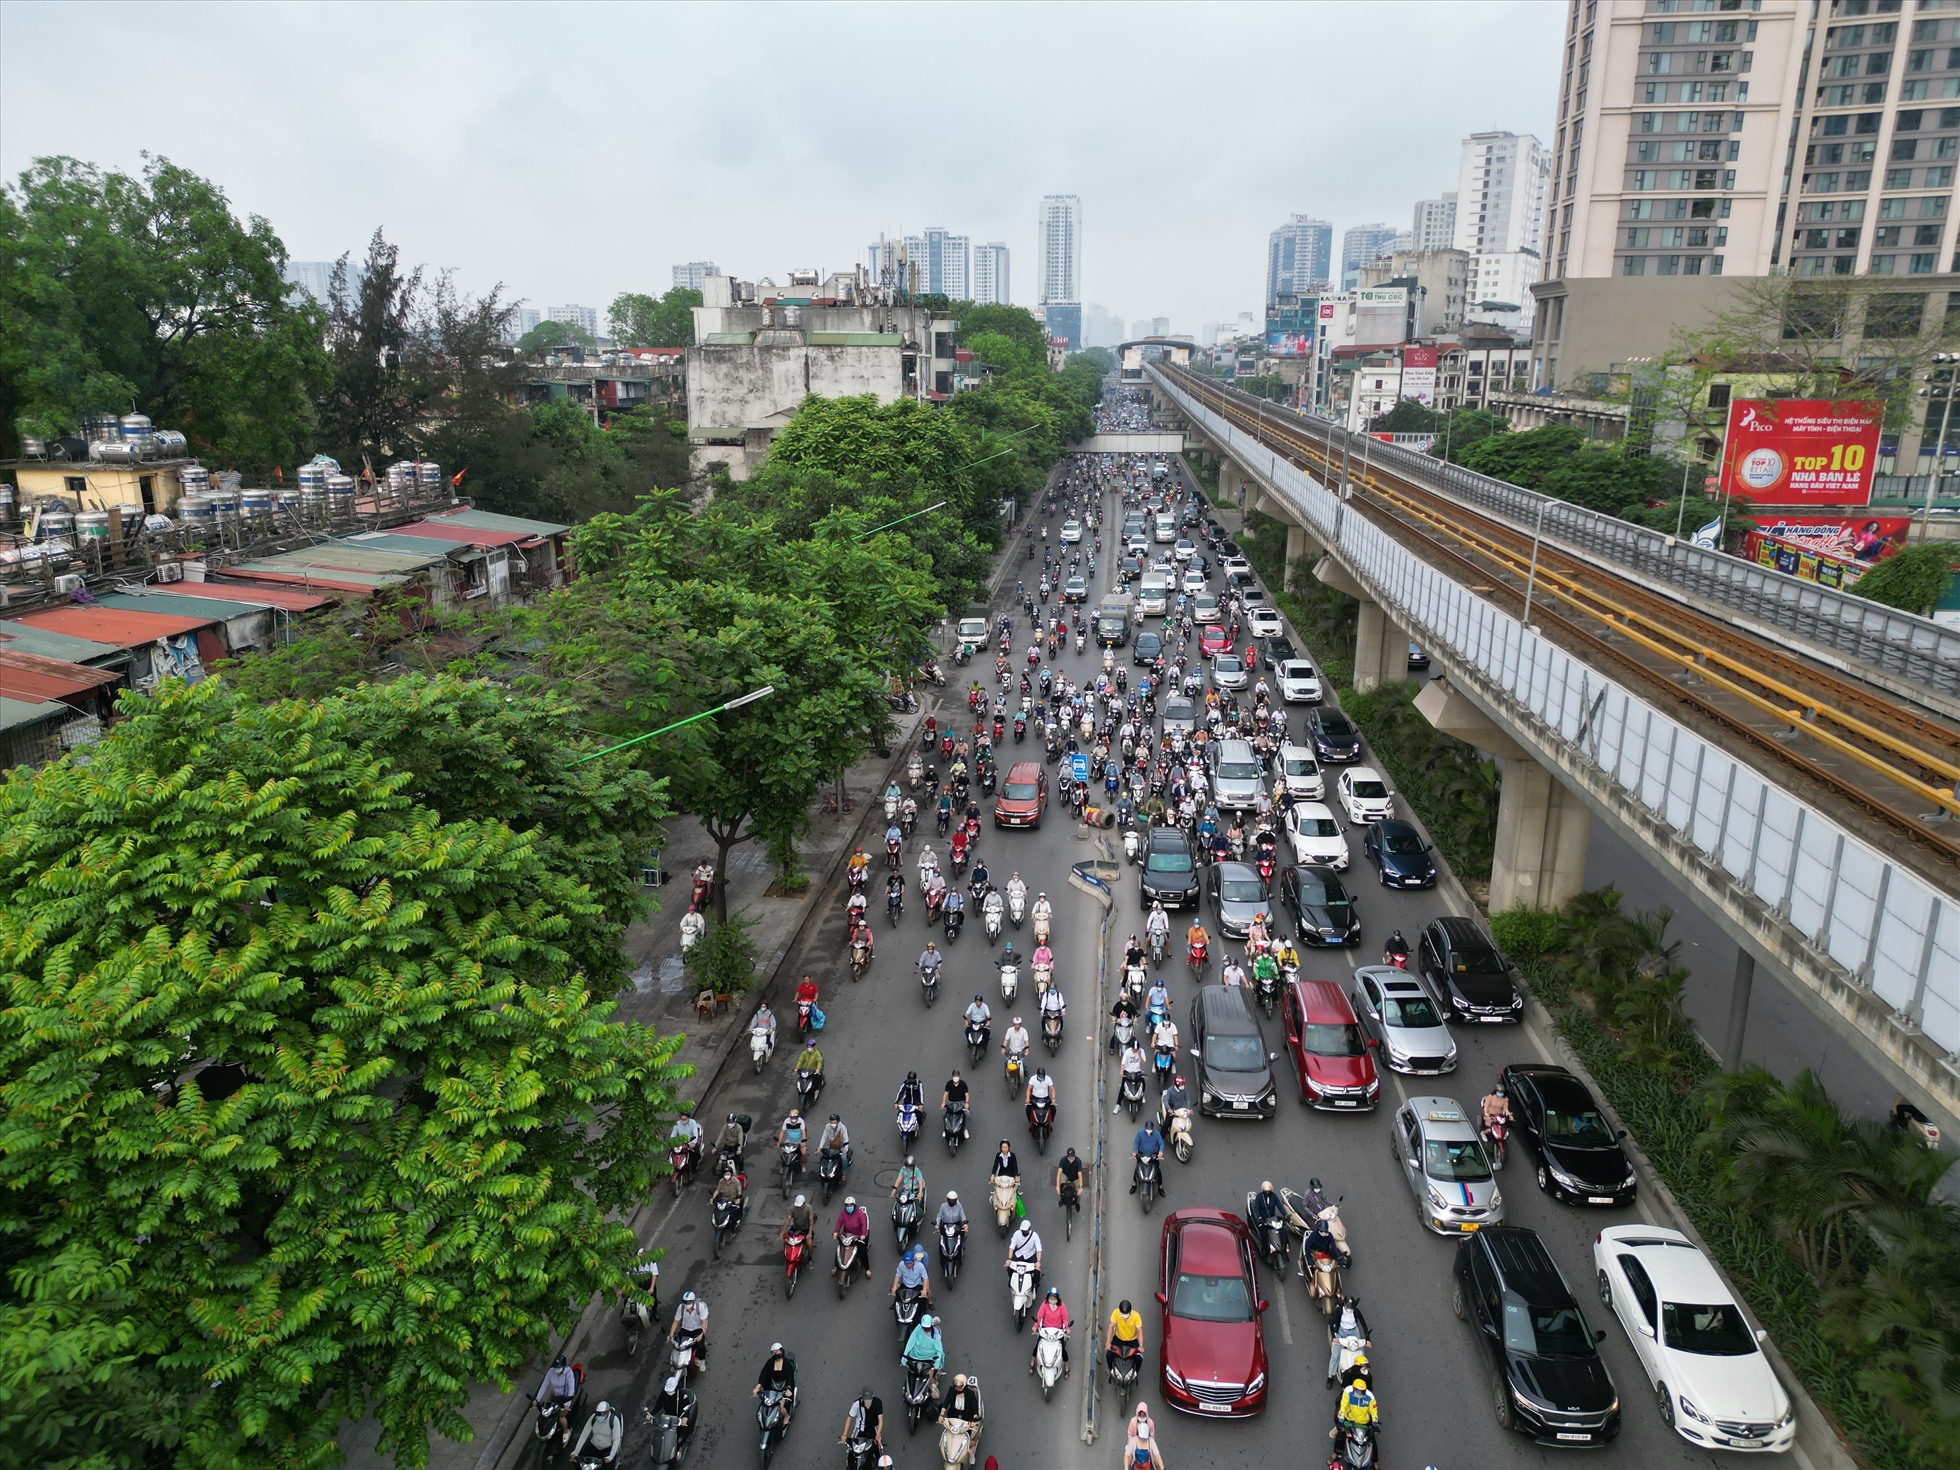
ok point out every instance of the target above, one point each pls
(1020, 1207)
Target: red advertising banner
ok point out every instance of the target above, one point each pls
(1801, 451)
(1864, 539)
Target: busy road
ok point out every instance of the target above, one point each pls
(1435, 1393)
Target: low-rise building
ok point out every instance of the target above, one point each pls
(1438, 282)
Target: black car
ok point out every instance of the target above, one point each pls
(1147, 649)
(1235, 1076)
(1398, 850)
(1277, 650)
(1333, 735)
(1323, 913)
(1544, 1352)
(1170, 869)
(1579, 1155)
(1472, 979)
(1417, 658)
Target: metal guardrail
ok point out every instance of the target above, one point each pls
(1890, 931)
(1915, 648)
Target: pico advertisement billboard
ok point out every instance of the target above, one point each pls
(1801, 451)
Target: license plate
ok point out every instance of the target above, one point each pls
(1493, 1020)
(1241, 1106)
(1346, 1102)
(1582, 1438)
(1216, 1408)
(1599, 1199)
(1467, 1226)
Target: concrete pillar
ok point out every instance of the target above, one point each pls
(1381, 650)
(1540, 860)
(1330, 573)
(1300, 546)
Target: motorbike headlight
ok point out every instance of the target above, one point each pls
(1688, 1408)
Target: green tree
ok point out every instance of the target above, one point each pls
(1099, 359)
(1408, 417)
(148, 291)
(546, 336)
(314, 1099)
(1016, 323)
(1465, 427)
(1005, 355)
(1913, 578)
(639, 320)
(376, 400)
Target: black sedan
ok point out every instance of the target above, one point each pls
(1323, 913)
(1399, 852)
(1580, 1160)
(1147, 648)
(1333, 735)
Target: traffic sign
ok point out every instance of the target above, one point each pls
(1078, 767)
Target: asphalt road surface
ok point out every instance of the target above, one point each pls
(1435, 1394)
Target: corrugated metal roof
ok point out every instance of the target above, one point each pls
(179, 604)
(312, 577)
(112, 625)
(490, 520)
(855, 339)
(400, 540)
(263, 596)
(31, 677)
(19, 714)
(50, 644)
(455, 535)
(346, 557)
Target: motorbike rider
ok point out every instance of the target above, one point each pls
(1164, 1039)
(678, 1399)
(895, 891)
(1196, 938)
(911, 1181)
(779, 1374)
(799, 1219)
(952, 1213)
(790, 1131)
(1068, 1175)
(979, 1015)
(1357, 1407)
(1148, 1144)
(1234, 973)
(1157, 1002)
(691, 1324)
(810, 1059)
(859, 863)
(955, 903)
(1396, 950)
(1017, 887)
(732, 1187)
(911, 1272)
(1159, 923)
(1258, 935)
(1051, 1313)
(1140, 1450)
(865, 1419)
(1041, 1091)
(605, 1431)
(1175, 1099)
(1133, 953)
(1133, 1062)
(962, 1401)
(693, 926)
(955, 1091)
(930, 959)
(1350, 1323)
(1053, 1003)
(1125, 1330)
(925, 1345)
(1004, 1163)
(1015, 1043)
(733, 1140)
(1266, 1207)
(912, 1091)
(1125, 1009)
(560, 1385)
(1024, 1246)
(1495, 1105)
(853, 1224)
(837, 1138)
(764, 1022)
(1043, 913)
(687, 1128)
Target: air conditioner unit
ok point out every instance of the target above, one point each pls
(68, 583)
(170, 571)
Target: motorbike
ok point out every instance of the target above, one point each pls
(918, 1393)
(860, 1453)
(1125, 1031)
(953, 1126)
(830, 1171)
(1125, 1370)
(796, 1255)
(990, 917)
(1016, 1069)
(1323, 1273)
(1021, 1292)
(1048, 1358)
(908, 1126)
(894, 905)
(977, 1037)
(762, 1046)
(1020, 728)
(683, 1163)
(1356, 1449)
(893, 847)
(1149, 1180)
(954, 919)
(1177, 1133)
(1267, 989)
(1200, 957)
(546, 1415)
(850, 1262)
(959, 860)
(929, 981)
(935, 901)
(727, 1219)
(906, 1307)
(1270, 1238)
(1006, 1193)
(1136, 980)
(805, 1019)
(1041, 1123)
(1010, 980)
(1051, 1031)
(1043, 923)
(1397, 954)
(809, 1085)
(1166, 1063)
(915, 771)
(952, 1243)
(637, 1318)
(789, 1164)
(906, 1213)
(669, 1438)
(1131, 1092)
(1157, 947)
(1017, 906)
(702, 891)
(1303, 1209)
(908, 817)
(1132, 845)
(1496, 1135)
(860, 957)
(772, 1418)
(959, 1443)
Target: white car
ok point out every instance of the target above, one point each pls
(1298, 683)
(1263, 622)
(1235, 564)
(1706, 1364)
(1365, 795)
(1301, 772)
(1071, 532)
(1204, 607)
(1184, 551)
(1317, 837)
(1194, 581)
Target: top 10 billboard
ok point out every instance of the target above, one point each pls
(1801, 451)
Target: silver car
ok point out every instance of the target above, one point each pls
(1443, 1161)
(1180, 716)
(1235, 777)
(1237, 897)
(1228, 671)
(1397, 1010)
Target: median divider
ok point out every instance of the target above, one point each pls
(1097, 878)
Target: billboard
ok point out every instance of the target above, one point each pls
(1289, 344)
(1799, 561)
(1419, 374)
(1380, 316)
(1861, 539)
(1801, 451)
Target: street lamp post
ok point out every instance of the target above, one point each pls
(1531, 577)
(736, 703)
(1948, 362)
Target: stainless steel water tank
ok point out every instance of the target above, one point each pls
(171, 444)
(340, 497)
(112, 451)
(55, 523)
(195, 516)
(92, 525)
(313, 477)
(195, 479)
(428, 475)
(134, 425)
(313, 505)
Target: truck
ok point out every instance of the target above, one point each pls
(1153, 594)
(1113, 620)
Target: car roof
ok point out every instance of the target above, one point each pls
(1525, 1264)
(1323, 1002)
(1441, 1117)
(1290, 751)
(1331, 717)
(1553, 1081)
(1024, 770)
(1239, 749)
(1228, 1004)
(1458, 929)
(1236, 870)
(1361, 773)
(1679, 1271)
(1168, 837)
(1313, 809)
(1395, 827)
(1209, 1248)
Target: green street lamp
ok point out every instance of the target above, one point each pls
(736, 703)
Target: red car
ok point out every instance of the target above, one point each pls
(1214, 638)
(1214, 1347)
(1023, 796)
(1331, 1059)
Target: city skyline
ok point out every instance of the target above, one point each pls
(786, 180)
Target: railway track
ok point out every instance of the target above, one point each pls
(1840, 739)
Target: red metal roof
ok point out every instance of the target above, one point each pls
(113, 626)
(37, 680)
(311, 578)
(436, 530)
(265, 596)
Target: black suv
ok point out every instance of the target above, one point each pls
(1235, 1078)
(1170, 869)
(1335, 740)
(1276, 651)
(1553, 1385)
(1470, 978)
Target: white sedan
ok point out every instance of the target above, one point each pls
(1365, 795)
(1706, 1365)
(1194, 581)
(1184, 550)
(1317, 837)
(1298, 683)
(1204, 608)
(1234, 564)
(1297, 767)
(1263, 622)
(1071, 532)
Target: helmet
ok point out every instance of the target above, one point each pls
(673, 1384)
(604, 1407)
(1054, 1295)
(798, 1202)
(1313, 1184)
(909, 1077)
(686, 1296)
(908, 1161)
(976, 994)
(559, 1361)
(952, 1196)
(835, 1119)
(1041, 1072)
(1177, 1079)
(850, 1202)
(731, 1118)
(1361, 1385)
(926, 1322)
(1265, 1186)
(1017, 1020)
(775, 1348)
(1500, 1089)
(1124, 1307)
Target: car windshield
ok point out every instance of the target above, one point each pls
(1076, 584)
(1546, 1332)
(1177, 709)
(1299, 671)
(1319, 827)
(1322, 889)
(1406, 844)
(1211, 1298)
(1238, 770)
(1582, 1126)
(1148, 643)
(1298, 765)
(1369, 790)
(1328, 1039)
(1205, 599)
(1235, 1053)
(1019, 791)
(1168, 861)
(1227, 664)
(1412, 1011)
(1335, 727)
(1242, 890)
(1714, 1331)
(1478, 959)
(1454, 1159)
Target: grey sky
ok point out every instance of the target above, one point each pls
(574, 151)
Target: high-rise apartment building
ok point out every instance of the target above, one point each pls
(1299, 257)
(1101, 327)
(584, 317)
(1500, 219)
(1435, 224)
(1359, 246)
(523, 321)
(314, 277)
(1059, 230)
(990, 286)
(945, 260)
(690, 276)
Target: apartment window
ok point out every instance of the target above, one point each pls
(1636, 238)
(1908, 121)
(1867, 123)
(1885, 265)
(1933, 206)
(1653, 92)
(1941, 177)
(1650, 122)
(1689, 91)
(1898, 178)
(1925, 30)
(1840, 96)
(1887, 236)
(1878, 63)
(1953, 58)
(1842, 66)
(1925, 234)
(1643, 178)
(1950, 117)
(1862, 152)
(1705, 178)
(1698, 239)
(1670, 265)
(1847, 239)
(1811, 265)
(1872, 92)
(1691, 265)
(1904, 150)
(1919, 60)
(1891, 209)
(1824, 183)
(1659, 63)
(1842, 36)
(1640, 209)
(1633, 265)
(1661, 33)
(1651, 153)
(1835, 126)
(1915, 91)
(1670, 237)
(1920, 265)
(1714, 265)
(1814, 239)
(1943, 147)
(1841, 265)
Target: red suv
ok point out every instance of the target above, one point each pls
(1331, 1058)
(1214, 1347)
(1023, 796)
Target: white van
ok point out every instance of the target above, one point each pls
(1165, 528)
(1153, 595)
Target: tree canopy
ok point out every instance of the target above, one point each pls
(549, 334)
(640, 320)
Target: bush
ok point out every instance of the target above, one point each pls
(724, 960)
(1526, 933)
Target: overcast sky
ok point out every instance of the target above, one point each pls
(572, 152)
